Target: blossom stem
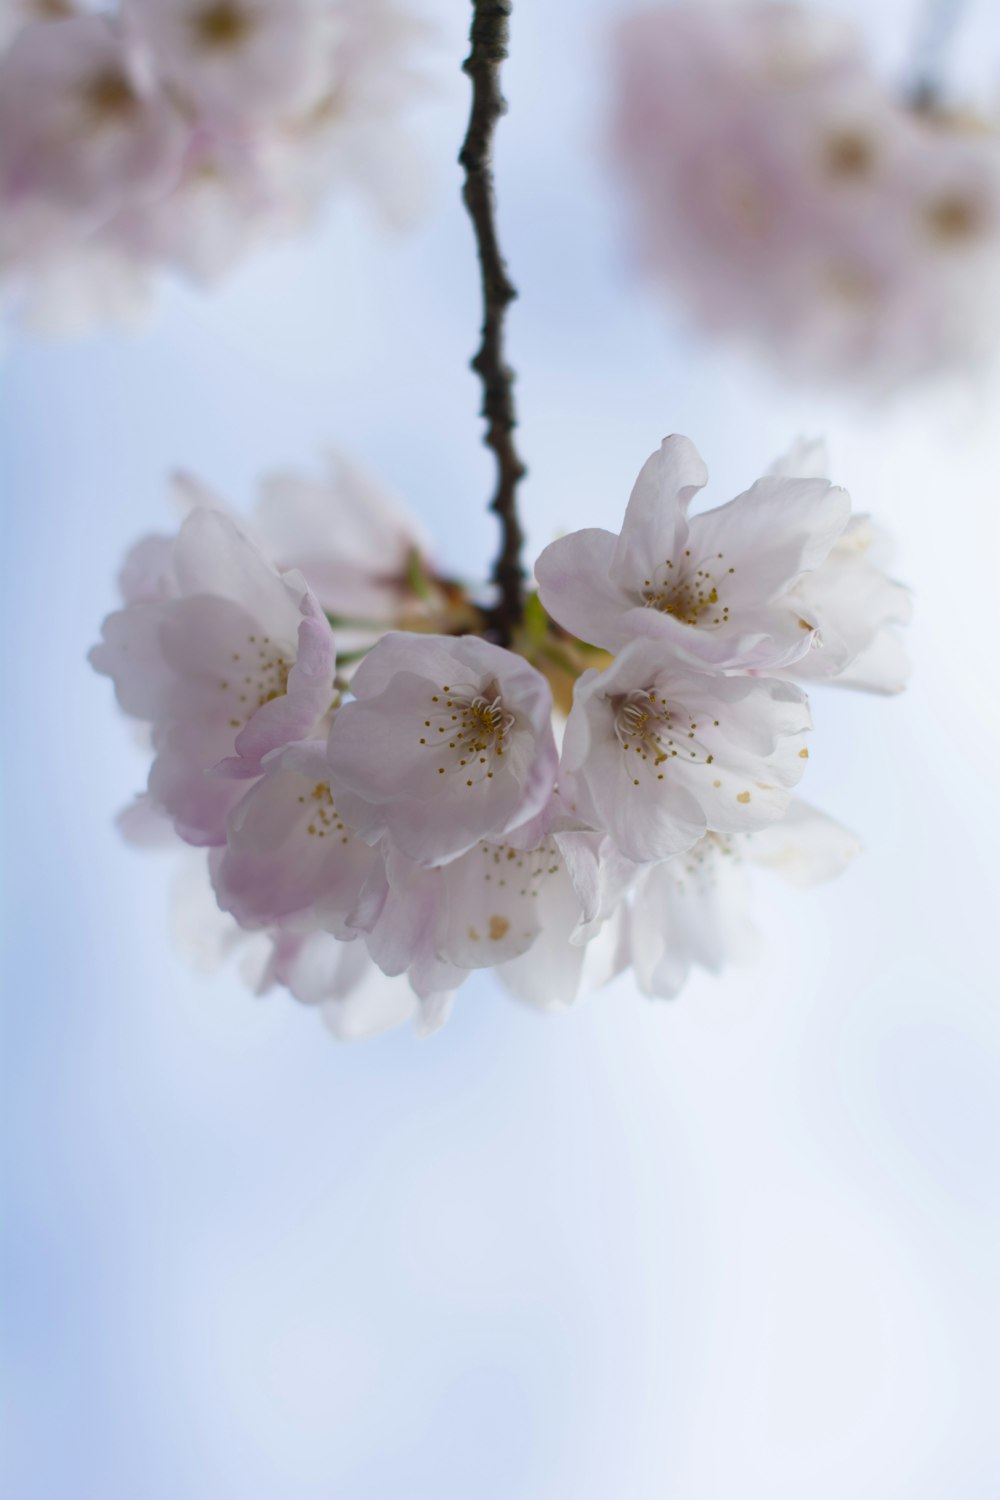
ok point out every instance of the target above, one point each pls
(488, 38)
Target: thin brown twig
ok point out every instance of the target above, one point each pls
(489, 48)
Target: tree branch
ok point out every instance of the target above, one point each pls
(489, 48)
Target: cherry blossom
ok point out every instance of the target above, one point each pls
(238, 662)
(447, 741)
(375, 838)
(718, 586)
(180, 133)
(82, 132)
(783, 195)
(693, 910)
(656, 753)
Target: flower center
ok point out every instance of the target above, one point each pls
(469, 730)
(655, 731)
(953, 219)
(222, 26)
(260, 674)
(849, 154)
(321, 811)
(687, 592)
(110, 97)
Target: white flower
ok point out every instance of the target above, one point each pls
(355, 999)
(694, 909)
(239, 662)
(854, 605)
(448, 741)
(656, 752)
(505, 906)
(717, 586)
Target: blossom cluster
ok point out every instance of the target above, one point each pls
(390, 800)
(783, 194)
(178, 133)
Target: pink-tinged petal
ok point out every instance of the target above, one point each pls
(655, 525)
(601, 876)
(300, 710)
(351, 538)
(143, 825)
(181, 784)
(408, 914)
(213, 556)
(495, 899)
(805, 848)
(447, 742)
(759, 639)
(769, 535)
(130, 654)
(289, 851)
(147, 574)
(577, 589)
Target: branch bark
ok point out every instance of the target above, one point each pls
(488, 39)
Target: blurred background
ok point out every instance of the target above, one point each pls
(744, 1244)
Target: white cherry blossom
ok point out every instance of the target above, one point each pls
(694, 909)
(718, 586)
(446, 742)
(656, 752)
(852, 602)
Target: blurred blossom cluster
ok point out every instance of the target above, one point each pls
(783, 194)
(387, 799)
(179, 133)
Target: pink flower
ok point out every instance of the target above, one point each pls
(783, 195)
(448, 741)
(83, 132)
(237, 662)
(289, 853)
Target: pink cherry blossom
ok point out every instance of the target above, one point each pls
(83, 131)
(782, 194)
(180, 133)
(238, 663)
(374, 841)
(446, 742)
(289, 854)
